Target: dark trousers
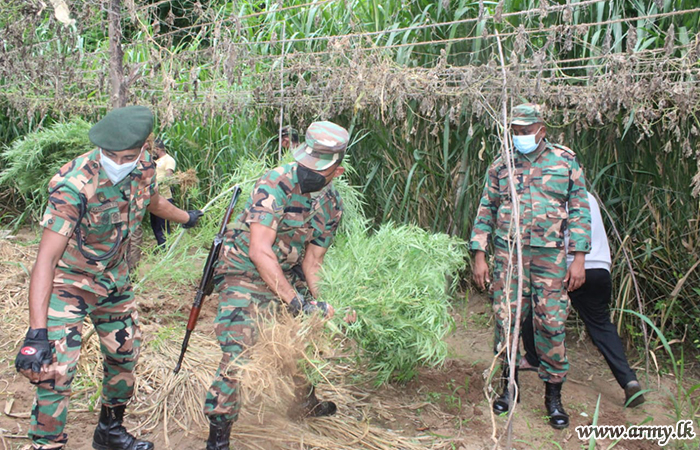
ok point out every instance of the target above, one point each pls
(592, 302)
(159, 227)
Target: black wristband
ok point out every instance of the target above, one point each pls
(39, 334)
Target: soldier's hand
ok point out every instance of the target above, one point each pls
(194, 217)
(350, 316)
(35, 354)
(575, 276)
(481, 271)
(313, 307)
(296, 305)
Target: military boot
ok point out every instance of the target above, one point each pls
(110, 434)
(308, 405)
(558, 418)
(502, 402)
(219, 434)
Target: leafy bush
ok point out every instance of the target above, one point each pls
(30, 162)
(397, 280)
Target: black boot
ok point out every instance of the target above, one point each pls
(308, 405)
(558, 418)
(110, 434)
(219, 434)
(502, 402)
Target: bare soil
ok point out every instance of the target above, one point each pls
(444, 407)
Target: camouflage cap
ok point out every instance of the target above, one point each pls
(526, 114)
(290, 132)
(325, 145)
(122, 129)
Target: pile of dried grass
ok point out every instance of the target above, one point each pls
(15, 263)
(187, 179)
(266, 371)
(174, 402)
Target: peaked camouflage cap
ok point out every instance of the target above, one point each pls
(325, 145)
(122, 128)
(290, 132)
(526, 114)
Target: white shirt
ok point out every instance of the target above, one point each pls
(599, 257)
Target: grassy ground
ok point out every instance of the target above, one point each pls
(441, 408)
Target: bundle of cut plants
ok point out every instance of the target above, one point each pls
(285, 348)
(396, 279)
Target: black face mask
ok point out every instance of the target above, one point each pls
(310, 181)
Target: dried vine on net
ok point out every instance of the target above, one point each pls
(216, 64)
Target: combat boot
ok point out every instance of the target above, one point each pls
(308, 405)
(110, 434)
(219, 434)
(558, 418)
(502, 402)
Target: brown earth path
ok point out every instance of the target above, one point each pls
(447, 404)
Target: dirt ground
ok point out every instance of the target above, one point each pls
(441, 408)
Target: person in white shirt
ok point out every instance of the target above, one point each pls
(592, 302)
(165, 169)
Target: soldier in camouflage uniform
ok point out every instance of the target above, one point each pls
(288, 223)
(95, 202)
(548, 179)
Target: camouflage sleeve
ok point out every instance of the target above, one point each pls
(63, 209)
(327, 225)
(486, 213)
(267, 201)
(579, 222)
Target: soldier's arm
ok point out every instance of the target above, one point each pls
(483, 227)
(486, 213)
(166, 210)
(579, 222)
(313, 259)
(51, 249)
(263, 256)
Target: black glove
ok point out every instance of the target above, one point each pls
(35, 352)
(296, 305)
(314, 307)
(194, 217)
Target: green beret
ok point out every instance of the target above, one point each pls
(123, 129)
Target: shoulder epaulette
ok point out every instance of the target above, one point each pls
(79, 171)
(564, 148)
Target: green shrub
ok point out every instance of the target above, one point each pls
(31, 162)
(397, 279)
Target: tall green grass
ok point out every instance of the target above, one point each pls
(31, 162)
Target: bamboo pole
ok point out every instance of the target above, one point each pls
(515, 218)
(116, 54)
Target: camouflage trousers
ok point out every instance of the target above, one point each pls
(241, 298)
(544, 270)
(116, 323)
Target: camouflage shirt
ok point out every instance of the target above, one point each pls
(87, 207)
(546, 182)
(299, 219)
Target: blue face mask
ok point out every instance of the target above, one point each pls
(526, 144)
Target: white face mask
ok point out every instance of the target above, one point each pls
(117, 172)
